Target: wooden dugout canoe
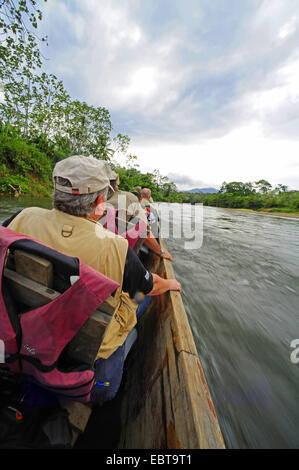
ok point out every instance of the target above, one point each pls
(164, 401)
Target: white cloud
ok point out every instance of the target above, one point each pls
(276, 102)
(119, 65)
(273, 14)
(143, 83)
(113, 21)
(288, 28)
(286, 92)
(242, 155)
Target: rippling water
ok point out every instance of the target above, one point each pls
(241, 294)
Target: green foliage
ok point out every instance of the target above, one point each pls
(36, 103)
(23, 166)
(23, 158)
(253, 196)
(263, 186)
(18, 22)
(161, 188)
(19, 52)
(10, 181)
(27, 163)
(237, 188)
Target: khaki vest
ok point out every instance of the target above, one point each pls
(96, 247)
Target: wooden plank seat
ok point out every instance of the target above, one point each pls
(31, 285)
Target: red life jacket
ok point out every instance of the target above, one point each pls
(132, 235)
(34, 340)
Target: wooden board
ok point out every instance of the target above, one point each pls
(86, 343)
(34, 267)
(30, 293)
(106, 308)
(79, 414)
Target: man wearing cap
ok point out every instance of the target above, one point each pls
(125, 202)
(128, 206)
(152, 214)
(136, 191)
(71, 227)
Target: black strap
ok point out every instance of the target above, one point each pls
(10, 219)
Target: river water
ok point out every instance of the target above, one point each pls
(241, 294)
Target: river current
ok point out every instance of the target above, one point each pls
(241, 294)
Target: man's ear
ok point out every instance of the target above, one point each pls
(99, 205)
(100, 199)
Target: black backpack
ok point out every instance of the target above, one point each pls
(21, 427)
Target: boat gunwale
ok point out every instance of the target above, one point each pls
(184, 417)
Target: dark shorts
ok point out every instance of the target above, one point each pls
(109, 371)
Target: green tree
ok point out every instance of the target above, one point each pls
(88, 130)
(237, 187)
(18, 23)
(19, 57)
(263, 186)
(281, 188)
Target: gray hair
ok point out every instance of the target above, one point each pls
(80, 205)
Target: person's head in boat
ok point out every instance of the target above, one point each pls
(136, 191)
(146, 194)
(113, 178)
(81, 186)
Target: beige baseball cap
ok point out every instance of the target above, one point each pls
(86, 175)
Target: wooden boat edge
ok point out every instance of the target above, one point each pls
(209, 432)
(166, 401)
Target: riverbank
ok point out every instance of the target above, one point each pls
(294, 215)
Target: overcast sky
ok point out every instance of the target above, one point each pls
(207, 90)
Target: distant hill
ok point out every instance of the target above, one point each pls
(202, 190)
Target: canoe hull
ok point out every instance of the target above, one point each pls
(165, 400)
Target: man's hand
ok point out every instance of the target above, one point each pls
(166, 255)
(175, 285)
(163, 285)
(154, 246)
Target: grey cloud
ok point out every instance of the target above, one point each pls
(186, 182)
(221, 52)
(222, 66)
